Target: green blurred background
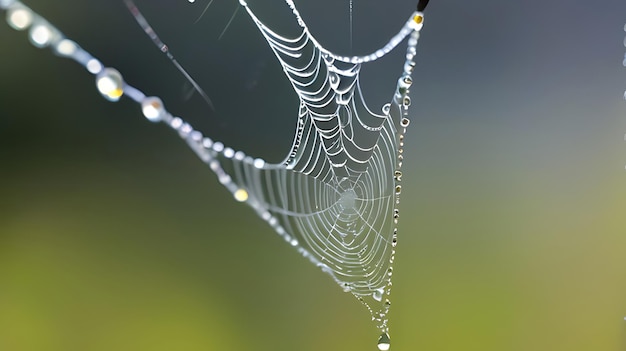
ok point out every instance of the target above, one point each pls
(113, 236)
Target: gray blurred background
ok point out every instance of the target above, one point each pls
(113, 236)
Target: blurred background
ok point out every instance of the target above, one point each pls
(114, 236)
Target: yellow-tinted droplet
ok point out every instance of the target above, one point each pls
(110, 84)
(241, 195)
(418, 19)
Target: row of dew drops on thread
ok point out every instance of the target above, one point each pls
(112, 86)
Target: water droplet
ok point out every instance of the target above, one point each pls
(259, 163)
(405, 81)
(378, 294)
(398, 176)
(94, 66)
(406, 101)
(329, 60)
(384, 342)
(41, 35)
(229, 152)
(218, 147)
(386, 108)
(409, 66)
(334, 80)
(110, 84)
(19, 17)
(241, 195)
(152, 108)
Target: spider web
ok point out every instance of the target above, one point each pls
(335, 196)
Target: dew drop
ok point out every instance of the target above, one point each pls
(409, 66)
(384, 342)
(196, 136)
(66, 47)
(40, 35)
(19, 17)
(405, 81)
(110, 84)
(229, 152)
(225, 179)
(94, 66)
(334, 80)
(152, 108)
(259, 163)
(398, 176)
(406, 101)
(386, 108)
(378, 294)
(218, 146)
(241, 195)
(328, 59)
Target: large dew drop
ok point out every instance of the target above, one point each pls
(383, 342)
